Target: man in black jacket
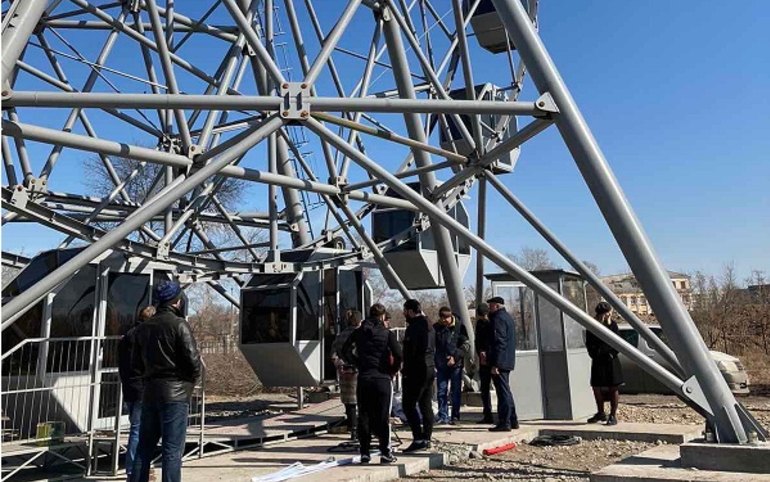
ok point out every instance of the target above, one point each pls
(169, 361)
(131, 383)
(452, 346)
(483, 343)
(375, 351)
(502, 359)
(418, 374)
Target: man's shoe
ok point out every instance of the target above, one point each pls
(598, 417)
(417, 445)
(500, 428)
(441, 423)
(365, 459)
(387, 459)
(612, 420)
(515, 425)
(486, 421)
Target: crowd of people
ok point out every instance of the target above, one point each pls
(432, 357)
(159, 365)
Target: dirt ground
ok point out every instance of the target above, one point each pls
(575, 463)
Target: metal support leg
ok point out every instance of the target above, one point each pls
(445, 250)
(676, 322)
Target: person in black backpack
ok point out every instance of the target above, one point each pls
(418, 374)
(375, 351)
(452, 346)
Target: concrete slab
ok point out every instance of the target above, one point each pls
(726, 457)
(242, 465)
(637, 432)
(663, 464)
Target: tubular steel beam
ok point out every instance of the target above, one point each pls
(266, 103)
(692, 352)
(18, 24)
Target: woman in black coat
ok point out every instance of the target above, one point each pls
(606, 374)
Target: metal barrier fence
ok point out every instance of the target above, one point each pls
(62, 407)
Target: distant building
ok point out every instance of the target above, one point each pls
(628, 290)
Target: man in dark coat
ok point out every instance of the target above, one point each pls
(418, 374)
(169, 360)
(502, 359)
(375, 351)
(131, 383)
(483, 344)
(452, 346)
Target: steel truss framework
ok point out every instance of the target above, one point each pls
(234, 112)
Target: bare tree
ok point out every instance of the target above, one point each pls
(533, 259)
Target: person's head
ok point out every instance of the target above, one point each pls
(496, 303)
(603, 311)
(482, 311)
(146, 313)
(412, 308)
(445, 315)
(377, 311)
(168, 293)
(353, 318)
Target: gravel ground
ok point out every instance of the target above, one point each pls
(542, 464)
(575, 463)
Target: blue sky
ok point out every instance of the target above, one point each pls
(675, 92)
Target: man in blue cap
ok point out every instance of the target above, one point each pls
(168, 359)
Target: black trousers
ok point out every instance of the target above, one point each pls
(418, 393)
(506, 409)
(485, 377)
(374, 397)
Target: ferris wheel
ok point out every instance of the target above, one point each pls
(222, 138)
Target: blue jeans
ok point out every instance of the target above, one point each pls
(449, 383)
(166, 420)
(134, 411)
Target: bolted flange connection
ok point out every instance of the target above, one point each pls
(296, 100)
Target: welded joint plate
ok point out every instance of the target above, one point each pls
(20, 197)
(693, 391)
(296, 100)
(546, 105)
